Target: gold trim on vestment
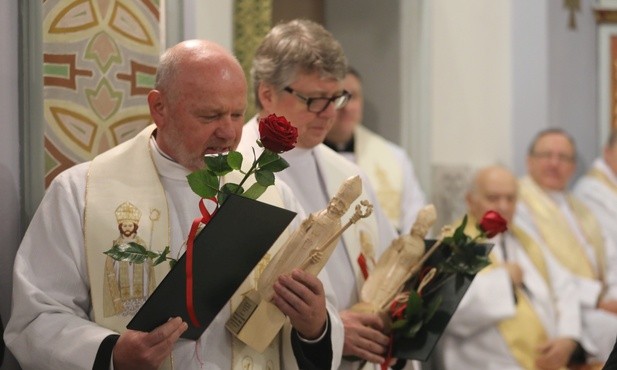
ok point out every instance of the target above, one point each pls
(375, 157)
(602, 178)
(523, 332)
(557, 233)
(107, 188)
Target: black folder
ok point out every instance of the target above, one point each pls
(224, 253)
(450, 290)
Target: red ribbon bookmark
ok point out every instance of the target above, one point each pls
(363, 266)
(203, 219)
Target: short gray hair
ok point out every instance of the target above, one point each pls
(298, 46)
(166, 70)
(551, 131)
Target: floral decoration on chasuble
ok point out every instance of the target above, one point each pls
(99, 62)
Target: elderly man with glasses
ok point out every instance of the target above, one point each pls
(549, 212)
(297, 72)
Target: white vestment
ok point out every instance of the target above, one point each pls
(599, 327)
(472, 339)
(50, 326)
(600, 195)
(392, 175)
(315, 175)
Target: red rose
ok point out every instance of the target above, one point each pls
(492, 224)
(277, 134)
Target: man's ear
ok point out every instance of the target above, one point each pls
(267, 95)
(157, 107)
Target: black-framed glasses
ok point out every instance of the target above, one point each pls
(318, 105)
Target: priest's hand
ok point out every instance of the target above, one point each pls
(140, 350)
(364, 337)
(301, 297)
(608, 305)
(555, 353)
(515, 272)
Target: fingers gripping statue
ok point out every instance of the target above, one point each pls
(257, 320)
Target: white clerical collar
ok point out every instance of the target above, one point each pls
(297, 153)
(167, 166)
(558, 197)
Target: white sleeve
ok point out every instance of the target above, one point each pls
(563, 286)
(291, 202)
(610, 267)
(50, 326)
(489, 297)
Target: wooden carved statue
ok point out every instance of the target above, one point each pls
(310, 246)
(396, 264)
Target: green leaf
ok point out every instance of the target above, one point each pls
(276, 165)
(234, 160)
(432, 307)
(162, 257)
(414, 329)
(459, 233)
(478, 264)
(413, 311)
(231, 188)
(264, 177)
(204, 183)
(255, 191)
(130, 252)
(218, 164)
(172, 263)
(448, 240)
(398, 324)
(267, 157)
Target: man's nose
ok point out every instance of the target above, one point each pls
(329, 112)
(226, 130)
(503, 207)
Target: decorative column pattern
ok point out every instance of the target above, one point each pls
(252, 21)
(613, 96)
(99, 62)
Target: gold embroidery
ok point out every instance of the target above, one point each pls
(389, 197)
(247, 363)
(125, 281)
(523, 332)
(557, 233)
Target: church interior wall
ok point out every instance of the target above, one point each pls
(369, 32)
(573, 78)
